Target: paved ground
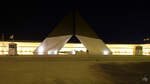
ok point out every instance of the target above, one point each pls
(73, 69)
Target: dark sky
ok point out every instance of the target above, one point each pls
(114, 22)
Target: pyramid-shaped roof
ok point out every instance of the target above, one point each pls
(82, 28)
(65, 27)
(73, 25)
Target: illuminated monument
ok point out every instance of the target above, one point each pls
(56, 42)
(72, 25)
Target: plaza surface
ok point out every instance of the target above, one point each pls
(73, 69)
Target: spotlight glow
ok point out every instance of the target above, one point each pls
(41, 51)
(73, 52)
(106, 52)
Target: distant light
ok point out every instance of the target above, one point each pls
(146, 39)
(106, 52)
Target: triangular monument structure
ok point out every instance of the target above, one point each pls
(73, 25)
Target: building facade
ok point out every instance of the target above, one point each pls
(27, 48)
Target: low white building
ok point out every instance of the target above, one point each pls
(27, 48)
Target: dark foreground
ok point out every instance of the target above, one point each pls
(73, 69)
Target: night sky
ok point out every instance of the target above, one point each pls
(114, 22)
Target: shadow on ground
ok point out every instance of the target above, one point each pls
(121, 73)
